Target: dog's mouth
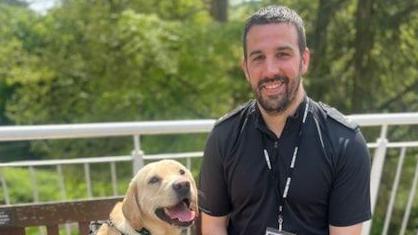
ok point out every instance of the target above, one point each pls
(180, 214)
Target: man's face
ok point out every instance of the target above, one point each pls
(274, 65)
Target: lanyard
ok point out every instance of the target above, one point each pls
(291, 167)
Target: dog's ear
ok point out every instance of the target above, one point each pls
(131, 208)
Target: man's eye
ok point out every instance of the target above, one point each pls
(258, 58)
(280, 55)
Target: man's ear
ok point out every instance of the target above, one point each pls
(306, 56)
(245, 68)
(130, 206)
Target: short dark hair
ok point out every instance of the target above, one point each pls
(276, 14)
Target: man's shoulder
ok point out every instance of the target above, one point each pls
(229, 127)
(235, 114)
(336, 117)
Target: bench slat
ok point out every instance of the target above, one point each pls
(52, 230)
(12, 231)
(56, 213)
(14, 219)
(83, 227)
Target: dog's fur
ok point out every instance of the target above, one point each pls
(161, 184)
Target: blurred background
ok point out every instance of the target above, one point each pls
(84, 61)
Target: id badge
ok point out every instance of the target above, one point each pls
(273, 231)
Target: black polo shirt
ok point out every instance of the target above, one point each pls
(330, 182)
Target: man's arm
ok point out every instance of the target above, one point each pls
(214, 225)
(348, 230)
(349, 203)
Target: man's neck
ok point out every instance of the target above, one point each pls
(276, 122)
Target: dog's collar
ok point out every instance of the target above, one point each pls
(143, 231)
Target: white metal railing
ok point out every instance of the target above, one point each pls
(67, 131)
(86, 162)
(137, 129)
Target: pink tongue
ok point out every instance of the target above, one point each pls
(181, 212)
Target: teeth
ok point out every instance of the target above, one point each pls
(272, 85)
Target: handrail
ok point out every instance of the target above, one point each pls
(87, 130)
(379, 119)
(409, 144)
(138, 129)
(105, 159)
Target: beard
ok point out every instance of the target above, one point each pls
(277, 104)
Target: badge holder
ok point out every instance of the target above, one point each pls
(273, 231)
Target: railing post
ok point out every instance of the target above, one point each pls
(61, 182)
(376, 173)
(113, 175)
(88, 180)
(35, 191)
(411, 197)
(4, 186)
(189, 163)
(137, 155)
(394, 191)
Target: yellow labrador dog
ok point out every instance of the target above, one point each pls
(161, 200)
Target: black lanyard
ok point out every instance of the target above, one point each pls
(291, 167)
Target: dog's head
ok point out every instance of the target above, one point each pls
(162, 192)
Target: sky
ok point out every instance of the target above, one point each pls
(41, 6)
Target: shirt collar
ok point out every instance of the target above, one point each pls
(297, 117)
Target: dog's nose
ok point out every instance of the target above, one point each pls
(182, 188)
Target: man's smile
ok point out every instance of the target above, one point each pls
(273, 86)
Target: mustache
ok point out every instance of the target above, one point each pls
(263, 81)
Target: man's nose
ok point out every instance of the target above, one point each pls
(271, 69)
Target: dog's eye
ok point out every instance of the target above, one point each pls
(154, 180)
(182, 172)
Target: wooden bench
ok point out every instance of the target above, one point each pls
(14, 219)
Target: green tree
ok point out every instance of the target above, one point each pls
(131, 60)
(14, 60)
(94, 64)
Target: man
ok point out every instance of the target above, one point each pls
(283, 164)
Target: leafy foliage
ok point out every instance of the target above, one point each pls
(132, 60)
